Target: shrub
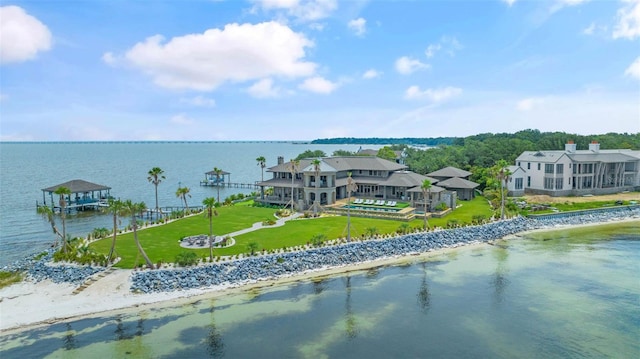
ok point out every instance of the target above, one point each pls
(268, 222)
(441, 207)
(318, 239)
(185, 259)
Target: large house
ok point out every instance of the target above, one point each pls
(323, 181)
(577, 172)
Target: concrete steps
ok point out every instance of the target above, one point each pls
(89, 281)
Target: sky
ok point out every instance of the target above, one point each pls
(305, 69)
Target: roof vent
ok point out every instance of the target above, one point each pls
(539, 154)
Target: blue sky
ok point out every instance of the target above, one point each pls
(306, 69)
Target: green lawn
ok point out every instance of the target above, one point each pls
(161, 243)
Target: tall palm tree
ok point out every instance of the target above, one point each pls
(182, 193)
(210, 204)
(47, 213)
(351, 187)
(217, 172)
(426, 193)
(132, 209)
(62, 192)
(293, 168)
(156, 175)
(116, 208)
(262, 162)
(502, 174)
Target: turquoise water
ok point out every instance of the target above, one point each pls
(27, 168)
(557, 297)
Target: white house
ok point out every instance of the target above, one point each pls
(580, 172)
(515, 184)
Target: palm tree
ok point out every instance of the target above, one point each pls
(62, 192)
(262, 162)
(502, 174)
(426, 193)
(47, 213)
(293, 168)
(182, 193)
(210, 204)
(156, 175)
(351, 187)
(132, 209)
(218, 172)
(116, 208)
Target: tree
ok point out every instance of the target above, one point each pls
(132, 209)
(47, 213)
(182, 193)
(156, 175)
(262, 162)
(351, 187)
(311, 154)
(293, 169)
(218, 173)
(210, 204)
(426, 193)
(387, 153)
(502, 174)
(116, 208)
(62, 192)
(252, 247)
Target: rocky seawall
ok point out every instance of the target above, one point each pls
(39, 267)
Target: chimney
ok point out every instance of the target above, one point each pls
(594, 146)
(570, 146)
(280, 160)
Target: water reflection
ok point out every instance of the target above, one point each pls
(500, 280)
(215, 345)
(69, 341)
(350, 318)
(424, 296)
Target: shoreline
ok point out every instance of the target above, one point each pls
(29, 305)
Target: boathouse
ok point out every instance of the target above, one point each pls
(84, 195)
(216, 179)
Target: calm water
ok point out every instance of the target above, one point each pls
(27, 168)
(562, 298)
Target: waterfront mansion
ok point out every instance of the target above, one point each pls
(575, 172)
(324, 181)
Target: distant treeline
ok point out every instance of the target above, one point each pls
(484, 150)
(411, 141)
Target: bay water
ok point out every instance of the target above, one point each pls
(557, 295)
(27, 168)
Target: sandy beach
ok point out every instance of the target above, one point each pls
(28, 305)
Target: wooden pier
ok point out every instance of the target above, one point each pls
(229, 184)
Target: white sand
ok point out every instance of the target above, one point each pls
(27, 304)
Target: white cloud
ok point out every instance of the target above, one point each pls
(590, 29)
(634, 69)
(406, 65)
(264, 89)
(509, 2)
(317, 26)
(181, 119)
(559, 4)
(434, 95)
(199, 101)
(236, 53)
(109, 58)
(371, 74)
(431, 50)
(359, 26)
(304, 10)
(528, 104)
(628, 25)
(318, 85)
(22, 36)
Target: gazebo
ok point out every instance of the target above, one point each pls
(213, 179)
(84, 195)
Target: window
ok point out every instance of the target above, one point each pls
(629, 166)
(586, 182)
(528, 181)
(528, 165)
(538, 167)
(518, 163)
(518, 183)
(559, 168)
(548, 168)
(548, 183)
(559, 183)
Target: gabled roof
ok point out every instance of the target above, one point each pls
(515, 169)
(541, 156)
(450, 172)
(222, 173)
(405, 179)
(324, 167)
(580, 156)
(433, 189)
(457, 182)
(78, 186)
